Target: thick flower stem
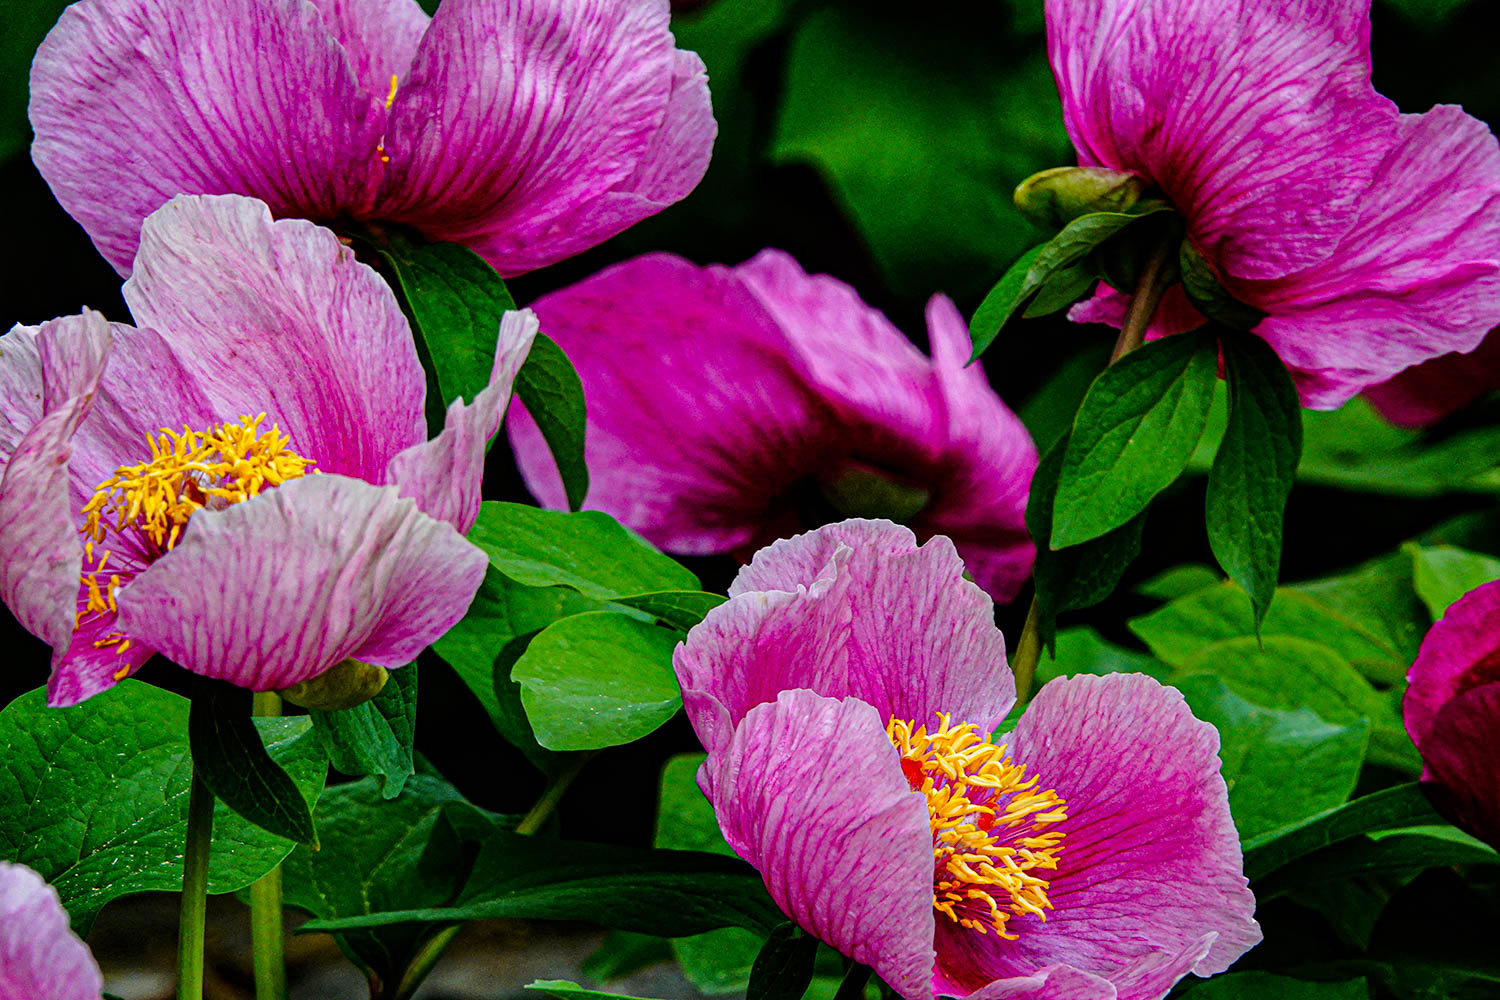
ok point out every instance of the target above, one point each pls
(1149, 289)
(425, 960)
(552, 795)
(200, 835)
(853, 985)
(267, 940)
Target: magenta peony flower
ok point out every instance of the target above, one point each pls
(528, 129)
(1452, 712)
(40, 956)
(1368, 237)
(1424, 394)
(729, 406)
(243, 483)
(846, 694)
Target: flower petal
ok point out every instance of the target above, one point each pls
(1462, 758)
(1460, 652)
(518, 114)
(1257, 119)
(134, 101)
(698, 420)
(279, 588)
(443, 475)
(379, 37)
(1150, 879)
(42, 556)
(40, 956)
(1422, 395)
(854, 609)
(279, 318)
(810, 792)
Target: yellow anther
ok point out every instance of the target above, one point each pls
(391, 97)
(988, 825)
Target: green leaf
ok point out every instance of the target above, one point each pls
(1082, 650)
(1261, 747)
(1081, 576)
(1379, 596)
(1442, 574)
(1254, 469)
(1390, 809)
(549, 386)
(1211, 298)
(1354, 448)
(784, 967)
(229, 755)
(1014, 289)
(588, 551)
(598, 679)
(681, 609)
(375, 737)
(1179, 581)
(1264, 986)
(1383, 853)
(623, 953)
(1133, 435)
(95, 797)
(565, 990)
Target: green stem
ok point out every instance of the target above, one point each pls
(425, 960)
(552, 794)
(200, 836)
(853, 985)
(267, 939)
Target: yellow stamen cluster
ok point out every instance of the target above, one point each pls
(989, 824)
(187, 472)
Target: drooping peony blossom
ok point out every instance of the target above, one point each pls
(1452, 712)
(1426, 393)
(1368, 237)
(529, 130)
(243, 482)
(846, 694)
(40, 956)
(729, 406)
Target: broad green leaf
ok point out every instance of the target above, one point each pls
(1379, 596)
(565, 990)
(230, 756)
(588, 551)
(1082, 650)
(1179, 581)
(1211, 298)
(598, 679)
(623, 953)
(1442, 574)
(1355, 448)
(1253, 471)
(1265, 986)
(1133, 435)
(375, 737)
(1391, 809)
(1281, 765)
(549, 387)
(1013, 290)
(96, 800)
(1380, 853)
(681, 609)
(784, 968)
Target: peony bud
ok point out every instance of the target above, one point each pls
(1054, 198)
(344, 685)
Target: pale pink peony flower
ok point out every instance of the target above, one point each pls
(1368, 237)
(243, 482)
(729, 406)
(845, 694)
(40, 956)
(529, 130)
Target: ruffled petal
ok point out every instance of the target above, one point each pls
(443, 475)
(279, 318)
(1174, 314)
(40, 553)
(518, 115)
(279, 588)
(854, 609)
(1461, 754)
(1150, 880)
(810, 792)
(134, 101)
(699, 422)
(1426, 393)
(1460, 652)
(1258, 120)
(379, 37)
(40, 956)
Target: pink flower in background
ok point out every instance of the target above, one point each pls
(1452, 712)
(846, 693)
(40, 956)
(1368, 237)
(729, 406)
(1424, 394)
(529, 130)
(244, 482)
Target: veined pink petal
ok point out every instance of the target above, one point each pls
(810, 792)
(379, 37)
(1257, 119)
(1174, 314)
(1459, 653)
(1422, 395)
(134, 101)
(518, 114)
(279, 318)
(443, 475)
(1149, 883)
(820, 612)
(40, 956)
(277, 589)
(1056, 982)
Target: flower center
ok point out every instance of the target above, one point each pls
(989, 824)
(188, 471)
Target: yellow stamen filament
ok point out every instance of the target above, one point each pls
(989, 825)
(390, 99)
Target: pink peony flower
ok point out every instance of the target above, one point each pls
(1368, 237)
(1426, 393)
(529, 130)
(1452, 712)
(846, 694)
(729, 406)
(243, 482)
(40, 956)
